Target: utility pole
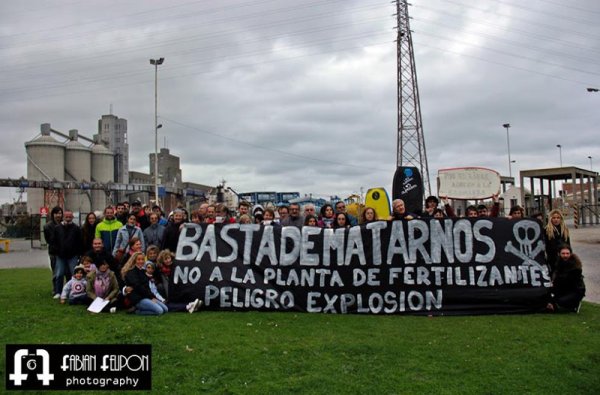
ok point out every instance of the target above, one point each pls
(411, 142)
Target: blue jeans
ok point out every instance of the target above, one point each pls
(148, 307)
(62, 268)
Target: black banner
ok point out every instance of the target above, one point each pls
(78, 367)
(408, 186)
(451, 266)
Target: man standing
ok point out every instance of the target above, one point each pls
(155, 233)
(284, 212)
(56, 215)
(121, 213)
(243, 209)
(309, 209)
(107, 229)
(294, 219)
(69, 242)
(340, 207)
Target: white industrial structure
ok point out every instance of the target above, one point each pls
(71, 161)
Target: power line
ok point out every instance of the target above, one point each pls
(513, 55)
(203, 37)
(266, 148)
(583, 83)
(595, 61)
(528, 21)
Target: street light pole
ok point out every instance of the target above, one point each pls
(507, 126)
(591, 167)
(559, 153)
(156, 63)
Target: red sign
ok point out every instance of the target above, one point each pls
(44, 211)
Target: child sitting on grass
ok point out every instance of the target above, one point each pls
(149, 266)
(75, 289)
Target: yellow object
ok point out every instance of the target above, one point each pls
(6, 243)
(378, 199)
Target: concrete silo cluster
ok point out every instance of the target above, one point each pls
(51, 160)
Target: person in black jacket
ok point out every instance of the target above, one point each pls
(568, 287)
(171, 235)
(68, 242)
(138, 285)
(56, 215)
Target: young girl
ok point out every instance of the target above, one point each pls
(149, 267)
(341, 221)
(88, 265)
(102, 283)
(74, 289)
(311, 220)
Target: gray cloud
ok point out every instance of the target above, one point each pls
(301, 96)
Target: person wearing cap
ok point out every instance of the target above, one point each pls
(75, 289)
(140, 215)
(161, 216)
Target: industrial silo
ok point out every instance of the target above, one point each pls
(45, 162)
(103, 171)
(78, 162)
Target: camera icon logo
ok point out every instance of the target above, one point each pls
(37, 364)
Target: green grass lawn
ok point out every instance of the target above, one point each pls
(221, 352)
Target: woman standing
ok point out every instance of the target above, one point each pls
(368, 215)
(326, 217)
(125, 234)
(88, 231)
(556, 235)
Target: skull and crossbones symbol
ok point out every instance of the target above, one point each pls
(527, 252)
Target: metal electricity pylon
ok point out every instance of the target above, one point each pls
(411, 142)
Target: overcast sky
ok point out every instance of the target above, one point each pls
(301, 95)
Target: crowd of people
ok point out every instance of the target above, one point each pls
(126, 256)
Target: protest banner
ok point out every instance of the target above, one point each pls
(434, 267)
(468, 183)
